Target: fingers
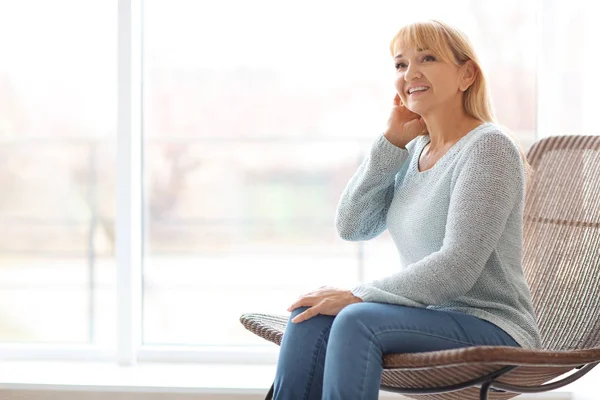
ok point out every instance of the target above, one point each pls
(299, 303)
(311, 312)
(306, 299)
(312, 298)
(398, 100)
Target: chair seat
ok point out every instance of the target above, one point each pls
(447, 367)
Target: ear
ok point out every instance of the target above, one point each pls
(468, 74)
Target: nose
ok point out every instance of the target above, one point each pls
(412, 71)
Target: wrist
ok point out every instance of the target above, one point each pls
(394, 142)
(356, 299)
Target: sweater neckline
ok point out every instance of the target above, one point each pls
(453, 149)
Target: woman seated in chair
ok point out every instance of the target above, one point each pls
(449, 185)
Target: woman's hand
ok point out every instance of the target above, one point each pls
(403, 124)
(325, 301)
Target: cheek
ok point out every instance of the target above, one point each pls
(399, 86)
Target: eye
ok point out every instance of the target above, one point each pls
(427, 57)
(400, 65)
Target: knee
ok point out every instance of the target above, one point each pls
(317, 322)
(306, 331)
(352, 316)
(351, 327)
(295, 312)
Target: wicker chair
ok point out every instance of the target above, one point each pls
(561, 260)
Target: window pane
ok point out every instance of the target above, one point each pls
(57, 154)
(568, 99)
(253, 125)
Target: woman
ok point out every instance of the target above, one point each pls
(449, 185)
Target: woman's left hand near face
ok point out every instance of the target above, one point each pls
(325, 301)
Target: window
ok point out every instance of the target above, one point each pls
(568, 80)
(254, 117)
(57, 156)
(256, 114)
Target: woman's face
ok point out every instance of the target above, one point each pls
(422, 69)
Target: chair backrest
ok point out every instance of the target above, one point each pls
(561, 233)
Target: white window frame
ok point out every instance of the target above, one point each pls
(129, 235)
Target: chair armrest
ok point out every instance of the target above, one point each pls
(506, 355)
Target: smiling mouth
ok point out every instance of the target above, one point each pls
(418, 91)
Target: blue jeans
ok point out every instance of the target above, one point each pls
(341, 357)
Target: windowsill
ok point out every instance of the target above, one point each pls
(185, 378)
(144, 377)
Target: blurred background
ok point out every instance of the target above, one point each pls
(255, 116)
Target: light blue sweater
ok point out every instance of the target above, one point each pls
(458, 228)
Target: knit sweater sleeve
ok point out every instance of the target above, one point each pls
(488, 185)
(362, 208)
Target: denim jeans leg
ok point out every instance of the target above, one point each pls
(299, 372)
(362, 332)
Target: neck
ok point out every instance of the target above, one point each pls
(448, 123)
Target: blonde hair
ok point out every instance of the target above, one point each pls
(454, 46)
